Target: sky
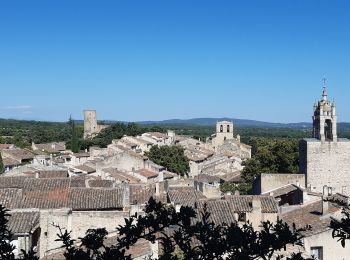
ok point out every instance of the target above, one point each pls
(153, 60)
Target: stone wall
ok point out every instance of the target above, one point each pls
(76, 221)
(270, 181)
(332, 248)
(326, 163)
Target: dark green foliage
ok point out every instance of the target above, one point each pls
(171, 157)
(243, 188)
(201, 239)
(22, 133)
(5, 236)
(73, 142)
(271, 156)
(2, 168)
(341, 229)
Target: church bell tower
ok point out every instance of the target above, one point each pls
(324, 119)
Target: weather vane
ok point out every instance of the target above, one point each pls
(324, 82)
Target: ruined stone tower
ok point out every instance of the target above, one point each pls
(90, 124)
(324, 159)
(324, 119)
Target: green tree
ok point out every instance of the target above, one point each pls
(2, 168)
(341, 228)
(171, 157)
(212, 241)
(74, 141)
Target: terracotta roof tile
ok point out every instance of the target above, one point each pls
(10, 198)
(147, 173)
(31, 184)
(53, 174)
(23, 222)
(99, 183)
(243, 203)
(311, 215)
(10, 162)
(12, 182)
(184, 195)
(91, 199)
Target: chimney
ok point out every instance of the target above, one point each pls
(325, 206)
(160, 176)
(126, 195)
(237, 193)
(256, 204)
(157, 189)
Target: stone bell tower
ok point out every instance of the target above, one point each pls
(324, 119)
(324, 159)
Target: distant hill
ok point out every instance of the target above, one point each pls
(194, 122)
(237, 122)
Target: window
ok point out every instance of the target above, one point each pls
(228, 128)
(242, 217)
(317, 252)
(221, 129)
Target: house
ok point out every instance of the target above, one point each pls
(22, 156)
(315, 218)
(25, 227)
(60, 202)
(50, 148)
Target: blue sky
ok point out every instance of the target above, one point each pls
(151, 60)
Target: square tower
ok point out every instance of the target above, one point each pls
(224, 131)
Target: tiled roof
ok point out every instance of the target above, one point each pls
(10, 162)
(283, 190)
(19, 154)
(5, 146)
(207, 178)
(91, 199)
(339, 198)
(53, 174)
(243, 203)
(10, 198)
(99, 183)
(78, 182)
(51, 147)
(147, 173)
(235, 177)
(23, 222)
(31, 184)
(12, 182)
(184, 195)
(311, 215)
(47, 199)
(140, 194)
(220, 211)
(58, 193)
(85, 168)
